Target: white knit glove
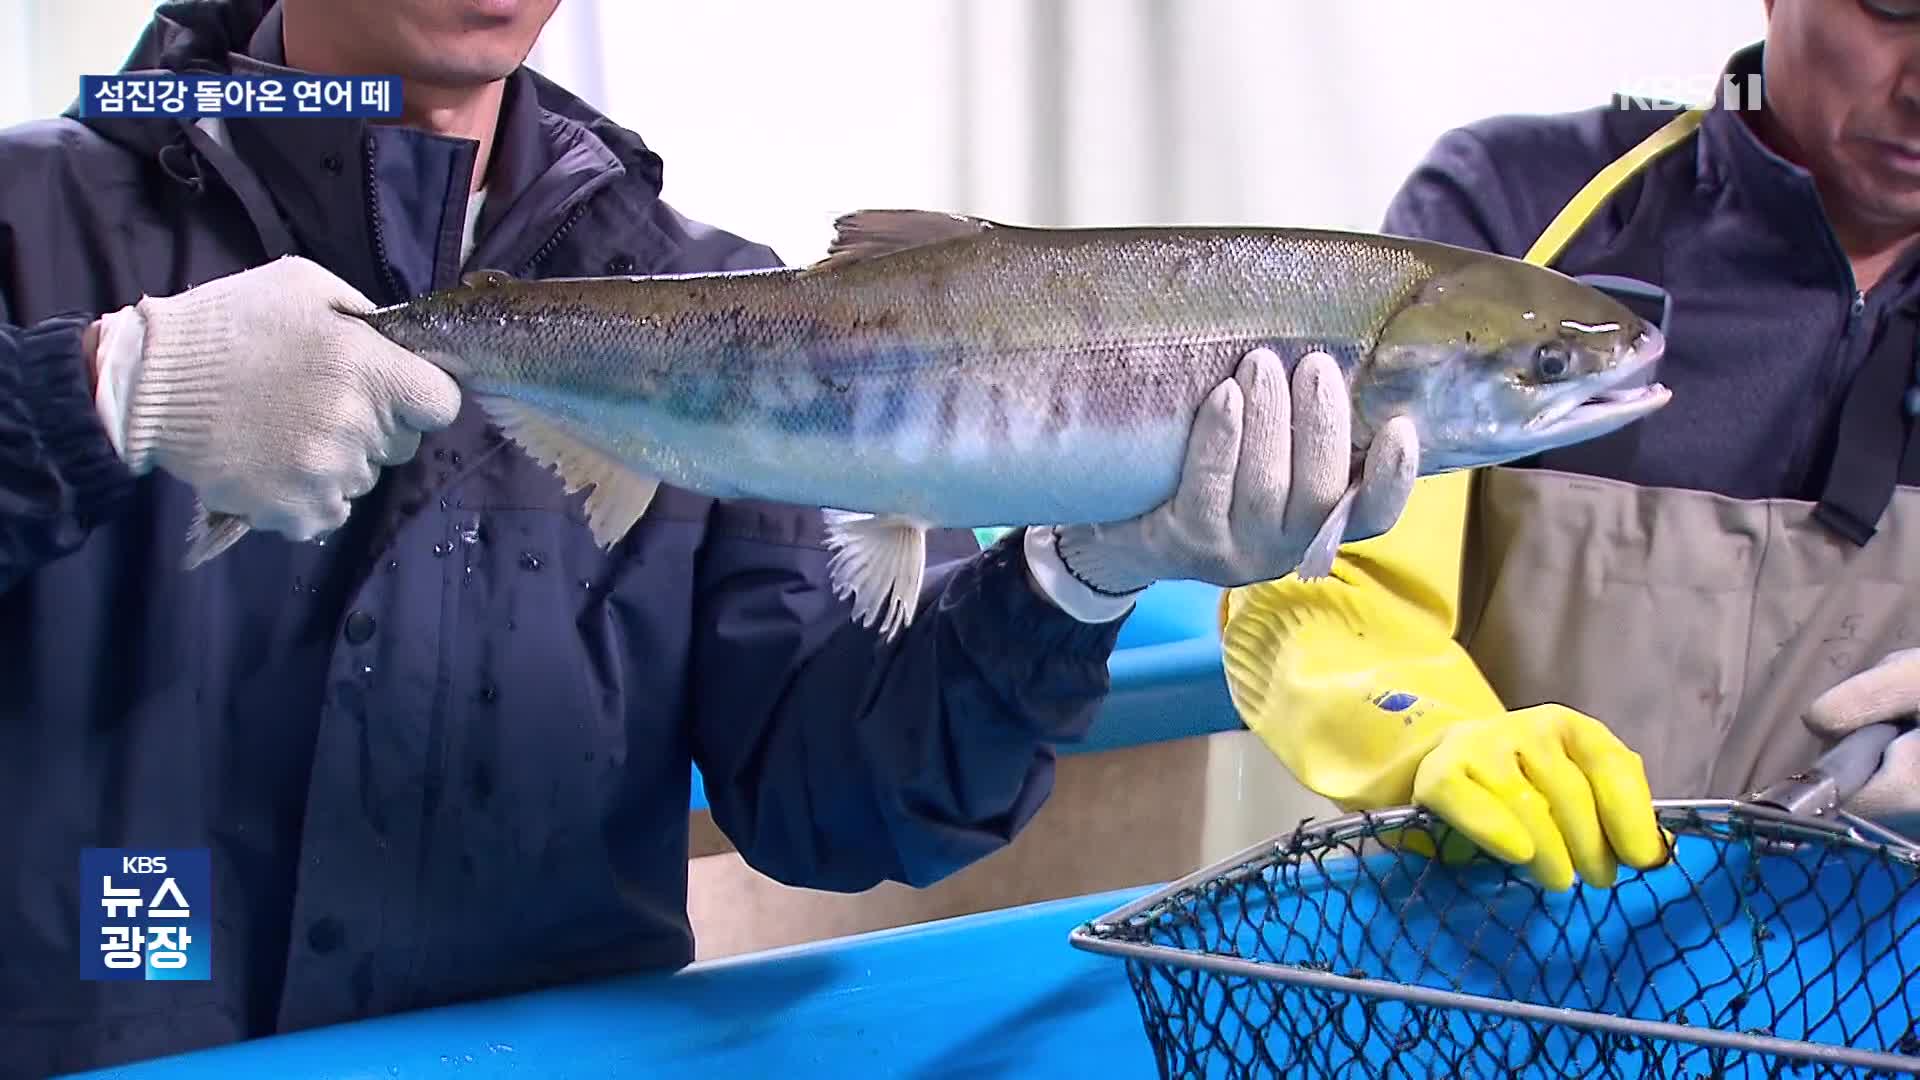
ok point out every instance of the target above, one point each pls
(1268, 469)
(1890, 690)
(275, 408)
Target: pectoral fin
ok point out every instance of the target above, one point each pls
(1318, 562)
(620, 496)
(209, 534)
(879, 560)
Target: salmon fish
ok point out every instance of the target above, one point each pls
(941, 370)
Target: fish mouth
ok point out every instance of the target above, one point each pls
(1612, 399)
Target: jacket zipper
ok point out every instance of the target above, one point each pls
(394, 293)
(1856, 307)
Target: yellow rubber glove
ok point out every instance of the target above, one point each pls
(1357, 684)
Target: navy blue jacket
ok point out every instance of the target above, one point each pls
(1788, 379)
(445, 754)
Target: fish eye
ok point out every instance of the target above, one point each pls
(1551, 361)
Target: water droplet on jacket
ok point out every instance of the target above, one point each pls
(455, 458)
(314, 589)
(469, 1057)
(441, 549)
(487, 692)
(585, 583)
(467, 574)
(500, 1048)
(439, 455)
(366, 669)
(511, 625)
(298, 585)
(470, 532)
(392, 565)
(443, 504)
(529, 561)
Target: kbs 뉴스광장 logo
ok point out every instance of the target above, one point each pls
(146, 914)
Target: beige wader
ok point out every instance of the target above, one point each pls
(1696, 626)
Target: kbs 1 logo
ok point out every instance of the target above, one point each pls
(1738, 92)
(146, 914)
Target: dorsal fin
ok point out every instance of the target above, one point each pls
(869, 234)
(486, 279)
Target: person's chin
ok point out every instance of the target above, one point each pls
(1889, 203)
(469, 73)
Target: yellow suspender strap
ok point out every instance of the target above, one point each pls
(1582, 206)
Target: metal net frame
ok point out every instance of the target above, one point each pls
(1770, 944)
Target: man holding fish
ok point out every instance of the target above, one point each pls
(1692, 606)
(434, 719)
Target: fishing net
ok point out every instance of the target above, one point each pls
(1769, 946)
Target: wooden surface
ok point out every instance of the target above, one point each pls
(1116, 819)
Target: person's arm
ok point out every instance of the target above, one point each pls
(834, 762)
(253, 389)
(59, 475)
(1293, 662)
(836, 759)
(1358, 684)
